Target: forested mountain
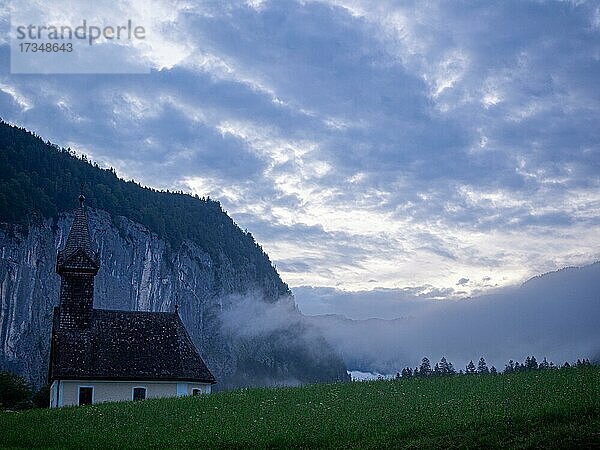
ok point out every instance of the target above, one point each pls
(40, 180)
(157, 249)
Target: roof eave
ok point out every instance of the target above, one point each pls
(125, 379)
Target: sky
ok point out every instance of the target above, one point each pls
(421, 149)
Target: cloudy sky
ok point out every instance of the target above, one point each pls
(425, 148)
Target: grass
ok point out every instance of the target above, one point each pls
(558, 408)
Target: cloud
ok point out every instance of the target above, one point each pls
(364, 145)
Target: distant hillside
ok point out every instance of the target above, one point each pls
(554, 315)
(157, 249)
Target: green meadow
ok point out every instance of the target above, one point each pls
(551, 408)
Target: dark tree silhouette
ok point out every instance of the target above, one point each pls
(41, 399)
(530, 363)
(482, 367)
(470, 369)
(425, 368)
(445, 367)
(15, 393)
(510, 367)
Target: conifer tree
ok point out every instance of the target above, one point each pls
(445, 367)
(482, 367)
(530, 363)
(510, 367)
(470, 369)
(425, 369)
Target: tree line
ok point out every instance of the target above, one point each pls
(446, 368)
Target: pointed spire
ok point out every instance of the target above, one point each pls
(79, 239)
(79, 235)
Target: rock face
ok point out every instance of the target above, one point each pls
(140, 271)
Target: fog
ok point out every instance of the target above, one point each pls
(556, 316)
(272, 343)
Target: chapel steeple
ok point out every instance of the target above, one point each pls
(77, 266)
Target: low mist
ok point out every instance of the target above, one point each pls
(556, 316)
(274, 344)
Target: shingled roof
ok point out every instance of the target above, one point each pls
(126, 345)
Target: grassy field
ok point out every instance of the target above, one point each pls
(522, 410)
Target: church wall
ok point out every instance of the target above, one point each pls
(113, 391)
